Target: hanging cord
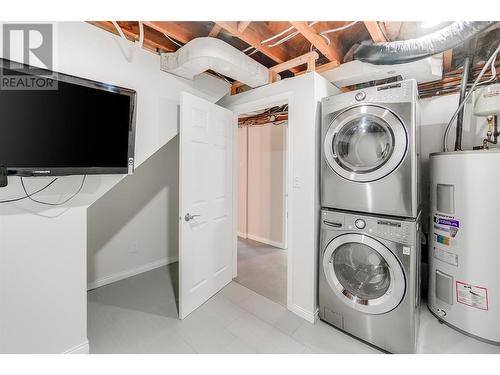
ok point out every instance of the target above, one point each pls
(27, 196)
(485, 67)
(141, 34)
(128, 55)
(49, 203)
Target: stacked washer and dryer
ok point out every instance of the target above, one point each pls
(369, 271)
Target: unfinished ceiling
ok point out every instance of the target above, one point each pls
(276, 42)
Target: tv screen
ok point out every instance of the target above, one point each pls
(80, 127)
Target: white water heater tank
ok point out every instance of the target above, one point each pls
(464, 245)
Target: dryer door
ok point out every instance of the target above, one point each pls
(364, 273)
(365, 143)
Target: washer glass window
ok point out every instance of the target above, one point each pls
(364, 144)
(361, 270)
(364, 273)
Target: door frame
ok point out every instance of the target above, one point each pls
(239, 109)
(284, 193)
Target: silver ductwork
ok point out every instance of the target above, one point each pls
(405, 51)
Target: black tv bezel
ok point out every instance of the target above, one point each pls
(68, 171)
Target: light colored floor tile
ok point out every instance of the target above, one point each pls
(235, 292)
(436, 337)
(238, 346)
(264, 338)
(205, 333)
(322, 338)
(263, 269)
(139, 315)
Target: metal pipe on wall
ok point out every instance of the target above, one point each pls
(463, 90)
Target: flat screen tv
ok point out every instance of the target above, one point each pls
(80, 127)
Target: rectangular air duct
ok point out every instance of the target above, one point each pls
(202, 54)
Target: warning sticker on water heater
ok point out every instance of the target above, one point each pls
(471, 295)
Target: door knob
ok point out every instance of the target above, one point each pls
(189, 217)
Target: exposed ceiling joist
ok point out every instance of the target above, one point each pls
(447, 60)
(253, 38)
(331, 52)
(375, 32)
(215, 31)
(309, 59)
(322, 68)
(173, 29)
(152, 41)
(242, 25)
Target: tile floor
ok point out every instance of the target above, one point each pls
(262, 268)
(139, 315)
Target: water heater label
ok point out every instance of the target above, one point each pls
(472, 295)
(445, 256)
(449, 222)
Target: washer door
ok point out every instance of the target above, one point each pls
(365, 143)
(364, 273)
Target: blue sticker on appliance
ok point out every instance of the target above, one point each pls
(450, 222)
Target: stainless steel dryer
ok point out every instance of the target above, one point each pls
(369, 283)
(370, 150)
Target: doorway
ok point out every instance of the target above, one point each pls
(262, 202)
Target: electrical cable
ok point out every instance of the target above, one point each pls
(383, 31)
(481, 73)
(25, 197)
(141, 34)
(288, 37)
(493, 75)
(49, 203)
(119, 29)
(277, 35)
(338, 28)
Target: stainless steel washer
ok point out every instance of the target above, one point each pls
(370, 150)
(369, 283)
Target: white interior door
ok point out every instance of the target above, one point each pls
(206, 222)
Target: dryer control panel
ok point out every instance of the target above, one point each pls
(396, 92)
(396, 230)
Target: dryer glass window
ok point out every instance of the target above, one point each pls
(364, 144)
(361, 270)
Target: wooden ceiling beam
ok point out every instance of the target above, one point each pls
(330, 51)
(215, 31)
(172, 29)
(375, 32)
(253, 38)
(321, 68)
(447, 60)
(308, 58)
(151, 42)
(242, 25)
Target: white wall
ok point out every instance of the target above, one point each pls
(43, 250)
(266, 183)
(303, 95)
(140, 231)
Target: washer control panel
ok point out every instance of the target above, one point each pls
(401, 231)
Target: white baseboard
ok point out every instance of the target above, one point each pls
(132, 272)
(265, 240)
(316, 315)
(82, 348)
(311, 317)
(242, 235)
